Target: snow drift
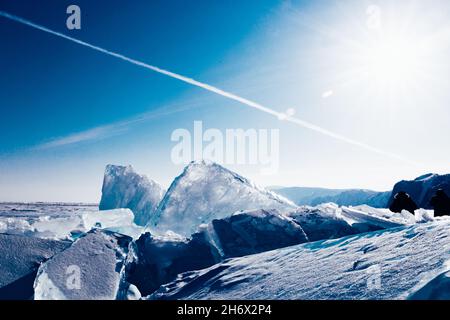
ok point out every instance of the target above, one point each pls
(387, 264)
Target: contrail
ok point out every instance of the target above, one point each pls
(205, 86)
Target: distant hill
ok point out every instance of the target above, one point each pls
(304, 195)
(420, 189)
(342, 197)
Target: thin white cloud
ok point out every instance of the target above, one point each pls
(87, 135)
(119, 127)
(210, 88)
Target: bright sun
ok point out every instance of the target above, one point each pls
(393, 60)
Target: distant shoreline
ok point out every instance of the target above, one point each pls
(81, 204)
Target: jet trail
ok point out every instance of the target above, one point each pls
(210, 88)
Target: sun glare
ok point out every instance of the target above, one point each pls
(387, 56)
(393, 61)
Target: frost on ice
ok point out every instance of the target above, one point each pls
(250, 232)
(156, 260)
(437, 288)
(69, 225)
(322, 222)
(365, 218)
(329, 221)
(207, 191)
(405, 260)
(124, 188)
(216, 235)
(20, 258)
(91, 269)
(159, 260)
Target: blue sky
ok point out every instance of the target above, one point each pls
(67, 111)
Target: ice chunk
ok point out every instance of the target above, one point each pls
(207, 191)
(117, 220)
(89, 270)
(71, 225)
(124, 188)
(19, 226)
(405, 217)
(323, 222)
(133, 293)
(423, 216)
(158, 260)
(437, 288)
(251, 232)
(20, 258)
(365, 218)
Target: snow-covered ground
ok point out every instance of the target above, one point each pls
(407, 257)
(217, 235)
(403, 247)
(18, 209)
(387, 264)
